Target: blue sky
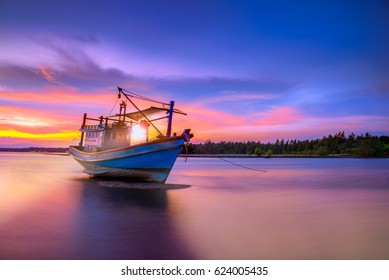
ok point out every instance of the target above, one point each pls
(243, 70)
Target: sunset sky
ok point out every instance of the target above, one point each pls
(242, 70)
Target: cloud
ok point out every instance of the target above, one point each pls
(212, 90)
(44, 59)
(58, 95)
(21, 121)
(237, 96)
(46, 72)
(218, 125)
(16, 76)
(284, 122)
(277, 116)
(380, 87)
(86, 62)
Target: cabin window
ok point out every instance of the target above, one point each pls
(108, 135)
(114, 136)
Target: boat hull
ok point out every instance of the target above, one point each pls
(150, 162)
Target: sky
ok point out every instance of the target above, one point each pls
(241, 70)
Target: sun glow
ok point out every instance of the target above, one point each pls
(25, 135)
(138, 133)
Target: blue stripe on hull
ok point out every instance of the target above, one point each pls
(149, 162)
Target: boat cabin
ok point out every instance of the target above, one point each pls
(94, 135)
(125, 129)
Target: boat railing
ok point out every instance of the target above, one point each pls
(93, 127)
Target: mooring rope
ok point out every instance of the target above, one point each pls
(186, 149)
(259, 170)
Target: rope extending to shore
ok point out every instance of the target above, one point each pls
(259, 170)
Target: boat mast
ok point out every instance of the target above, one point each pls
(170, 120)
(136, 107)
(122, 108)
(82, 133)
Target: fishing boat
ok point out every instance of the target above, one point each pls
(131, 145)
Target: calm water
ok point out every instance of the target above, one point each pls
(209, 209)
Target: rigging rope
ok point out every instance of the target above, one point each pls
(113, 106)
(259, 170)
(133, 94)
(186, 149)
(136, 107)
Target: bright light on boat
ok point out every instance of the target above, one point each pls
(138, 133)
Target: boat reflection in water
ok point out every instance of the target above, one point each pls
(119, 220)
(58, 213)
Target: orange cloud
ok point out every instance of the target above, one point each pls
(46, 72)
(278, 116)
(38, 118)
(41, 125)
(217, 125)
(276, 123)
(59, 95)
(206, 123)
(35, 117)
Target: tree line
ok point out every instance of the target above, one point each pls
(364, 145)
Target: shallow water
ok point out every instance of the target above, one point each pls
(208, 209)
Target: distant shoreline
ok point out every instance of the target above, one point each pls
(64, 152)
(274, 156)
(35, 150)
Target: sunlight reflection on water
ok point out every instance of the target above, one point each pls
(209, 209)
